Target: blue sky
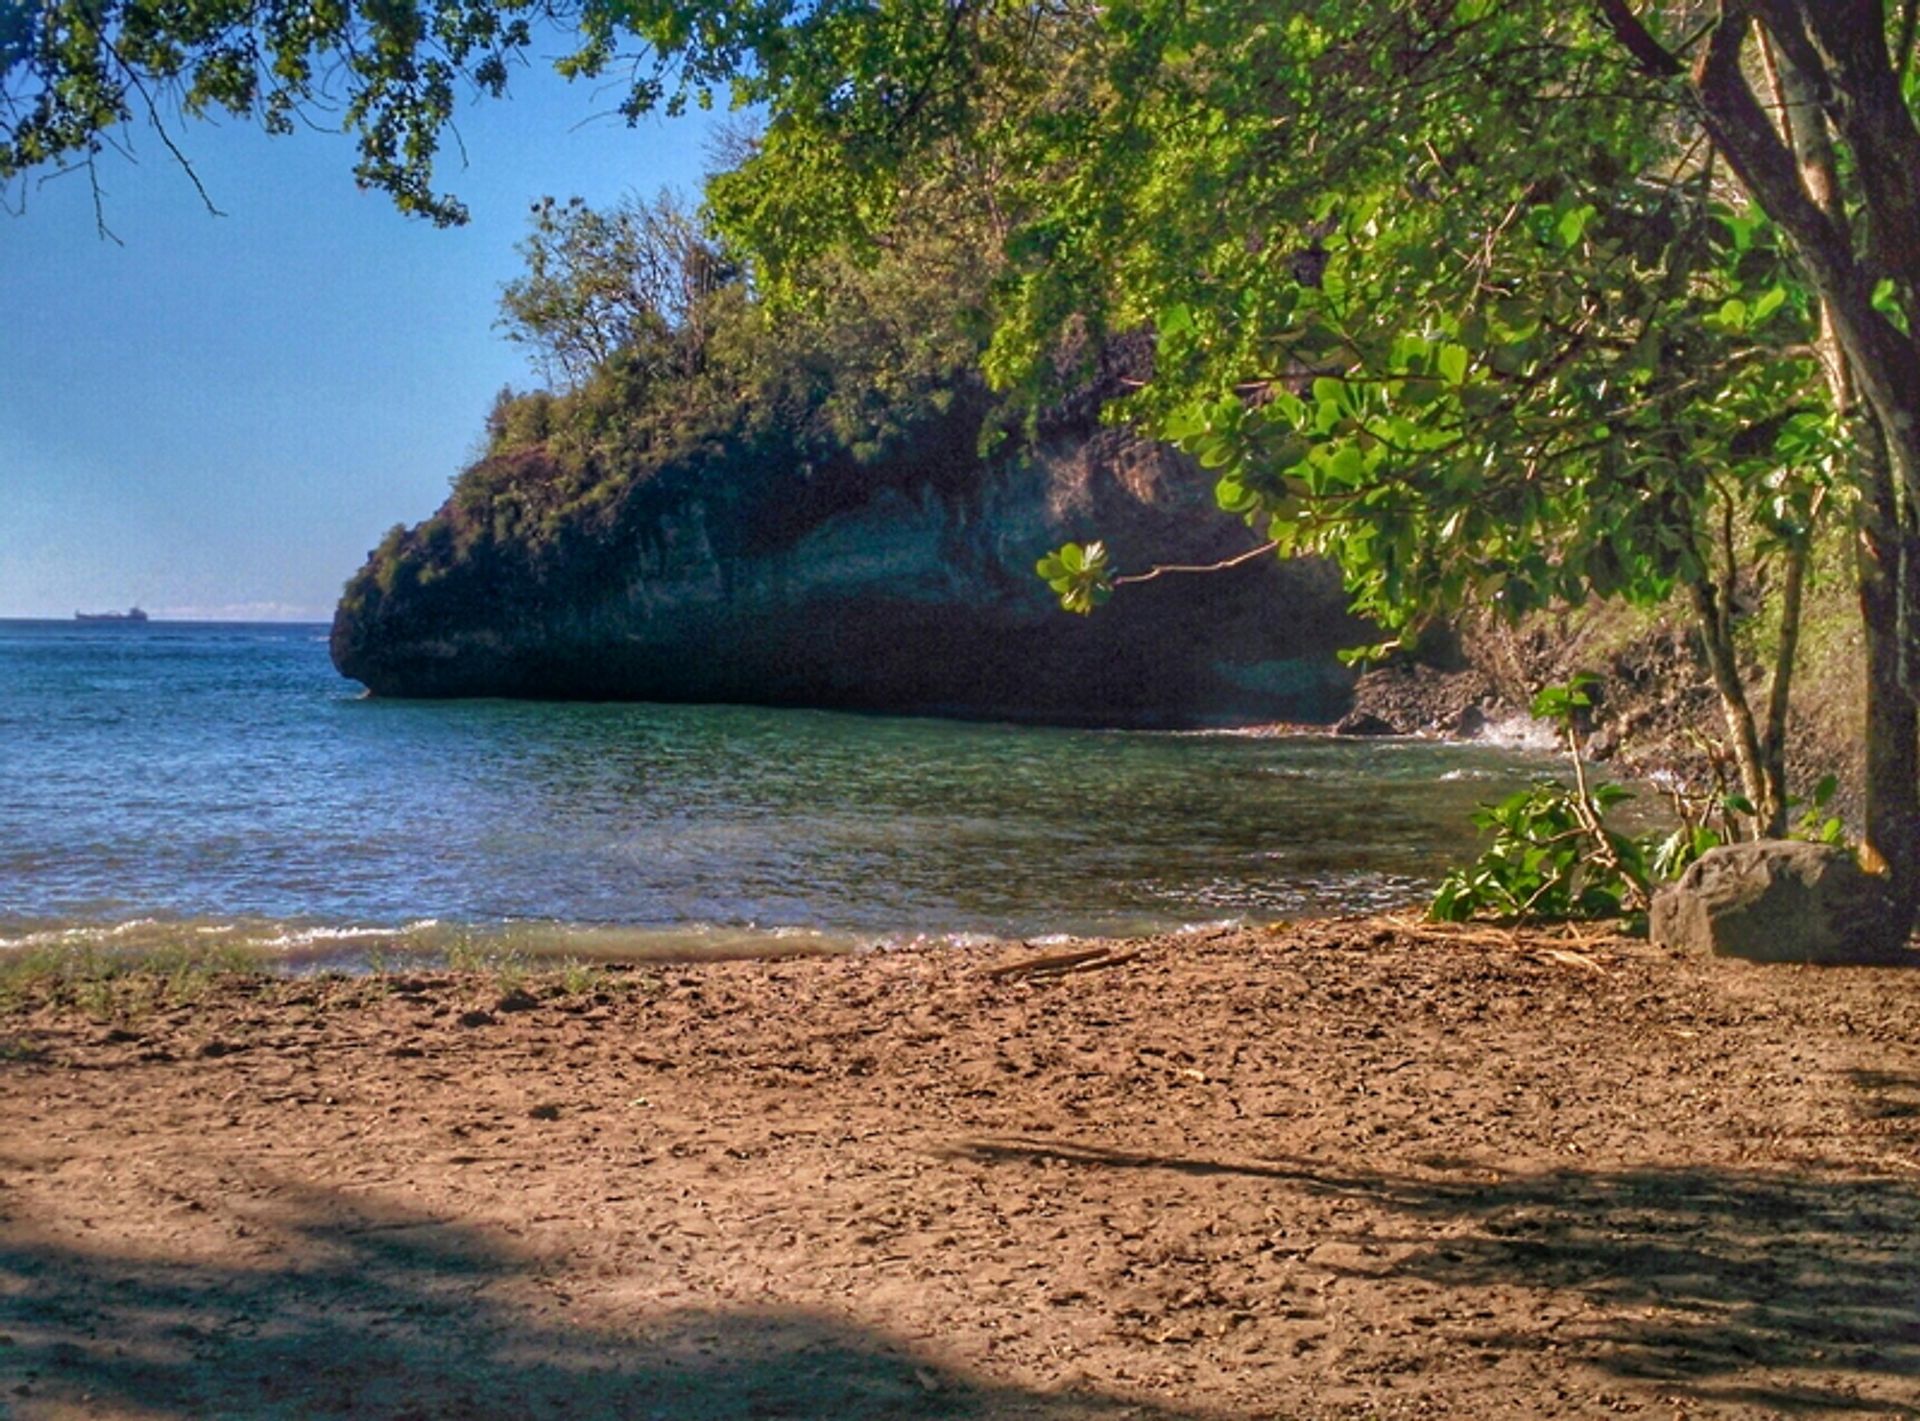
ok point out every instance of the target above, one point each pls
(221, 416)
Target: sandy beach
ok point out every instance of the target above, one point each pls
(1345, 1169)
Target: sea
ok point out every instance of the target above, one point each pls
(221, 783)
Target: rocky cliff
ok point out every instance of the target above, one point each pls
(905, 587)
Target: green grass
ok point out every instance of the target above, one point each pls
(580, 979)
(111, 984)
(508, 966)
(114, 984)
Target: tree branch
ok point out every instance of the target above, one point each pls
(1638, 40)
(1862, 95)
(1769, 171)
(1248, 556)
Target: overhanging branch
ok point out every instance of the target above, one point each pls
(1638, 40)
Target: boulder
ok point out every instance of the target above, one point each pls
(1779, 901)
(1472, 721)
(1362, 723)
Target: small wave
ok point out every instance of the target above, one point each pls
(916, 942)
(298, 938)
(301, 947)
(1210, 925)
(1519, 732)
(1298, 893)
(78, 933)
(1276, 730)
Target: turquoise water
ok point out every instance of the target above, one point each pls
(223, 780)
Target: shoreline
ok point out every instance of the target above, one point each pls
(1342, 1168)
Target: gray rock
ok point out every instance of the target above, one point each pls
(911, 590)
(1365, 723)
(1471, 722)
(1779, 901)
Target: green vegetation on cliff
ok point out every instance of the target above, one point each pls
(678, 382)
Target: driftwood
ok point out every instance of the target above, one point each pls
(1562, 944)
(1059, 964)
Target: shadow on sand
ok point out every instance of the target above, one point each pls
(360, 1310)
(1759, 1288)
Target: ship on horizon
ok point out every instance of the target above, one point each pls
(132, 614)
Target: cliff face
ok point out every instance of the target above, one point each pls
(909, 590)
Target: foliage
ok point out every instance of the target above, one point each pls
(72, 72)
(1079, 576)
(1541, 862)
(1554, 856)
(75, 73)
(1461, 368)
(634, 279)
(1815, 823)
(1472, 372)
(684, 388)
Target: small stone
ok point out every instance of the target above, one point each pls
(1365, 723)
(476, 1018)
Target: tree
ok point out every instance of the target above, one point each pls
(74, 73)
(1840, 174)
(600, 282)
(1254, 169)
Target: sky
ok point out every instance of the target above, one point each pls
(217, 417)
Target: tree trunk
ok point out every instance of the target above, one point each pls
(1710, 610)
(1773, 734)
(1885, 555)
(1884, 360)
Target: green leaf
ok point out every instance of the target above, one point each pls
(1452, 364)
(1184, 423)
(1347, 465)
(1215, 451)
(1233, 496)
(1573, 225)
